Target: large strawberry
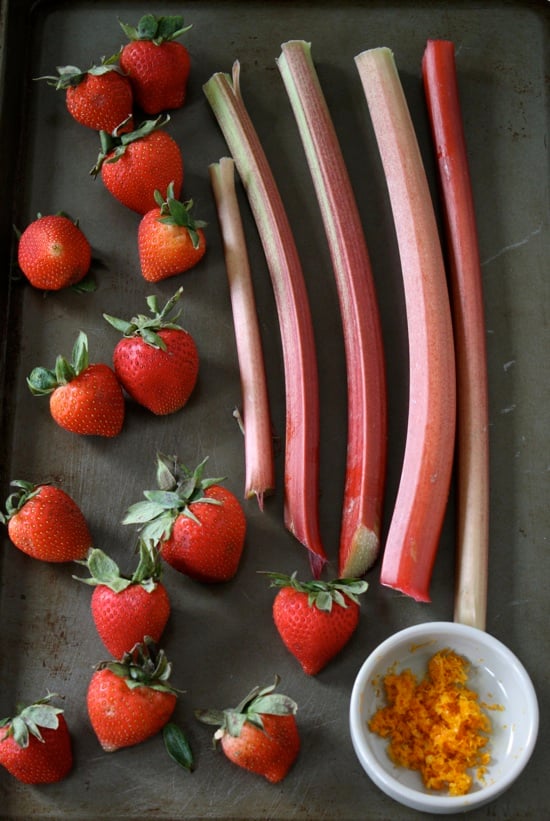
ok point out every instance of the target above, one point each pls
(54, 253)
(99, 97)
(136, 164)
(316, 619)
(131, 700)
(260, 734)
(198, 524)
(157, 66)
(46, 523)
(157, 361)
(35, 745)
(126, 609)
(84, 398)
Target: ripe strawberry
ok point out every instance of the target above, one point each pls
(157, 361)
(131, 700)
(85, 398)
(157, 66)
(135, 165)
(170, 240)
(316, 619)
(35, 745)
(54, 253)
(126, 609)
(100, 97)
(198, 525)
(260, 734)
(45, 523)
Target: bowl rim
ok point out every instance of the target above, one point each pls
(382, 777)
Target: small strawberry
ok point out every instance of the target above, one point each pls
(35, 745)
(157, 66)
(126, 609)
(260, 734)
(136, 164)
(131, 700)
(170, 240)
(54, 253)
(84, 398)
(198, 525)
(45, 523)
(316, 619)
(157, 361)
(99, 97)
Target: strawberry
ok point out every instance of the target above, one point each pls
(84, 398)
(157, 361)
(316, 619)
(260, 734)
(54, 253)
(157, 66)
(126, 609)
(131, 700)
(35, 745)
(198, 525)
(170, 240)
(99, 97)
(135, 164)
(45, 523)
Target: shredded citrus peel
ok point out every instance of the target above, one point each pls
(436, 726)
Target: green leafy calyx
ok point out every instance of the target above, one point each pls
(178, 489)
(29, 720)
(145, 665)
(42, 381)
(114, 145)
(147, 326)
(322, 594)
(71, 76)
(260, 701)
(105, 571)
(176, 212)
(158, 30)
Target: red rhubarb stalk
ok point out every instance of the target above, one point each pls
(441, 87)
(258, 442)
(366, 443)
(301, 479)
(420, 505)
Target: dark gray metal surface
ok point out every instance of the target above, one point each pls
(221, 639)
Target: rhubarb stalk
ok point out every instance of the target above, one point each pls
(258, 443)
(441, 87)
(366, 437)
(301, 475)
(420, 505)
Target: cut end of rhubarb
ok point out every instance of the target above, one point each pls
(360, 554)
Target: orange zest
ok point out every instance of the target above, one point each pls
(436, 726)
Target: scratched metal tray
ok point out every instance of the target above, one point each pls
(221, 639)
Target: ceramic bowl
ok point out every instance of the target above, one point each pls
(495, 674)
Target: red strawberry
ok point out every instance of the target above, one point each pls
(316, 619)
(85, 398)
(260, 734)
(44, 522)
(53, 253)
(100, 97)
(157, 66)
(35, 745)
(134, 165)
(125, 610)
(131, 700)
(198, 525)
(170, 240)
(157, 361)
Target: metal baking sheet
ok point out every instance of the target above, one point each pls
(221, 639)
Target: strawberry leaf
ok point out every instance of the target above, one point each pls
(177, 746)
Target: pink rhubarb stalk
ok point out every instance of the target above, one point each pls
(417, 519)
(301, 480)
(366, 444)
(441, 87)
(258, 442)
